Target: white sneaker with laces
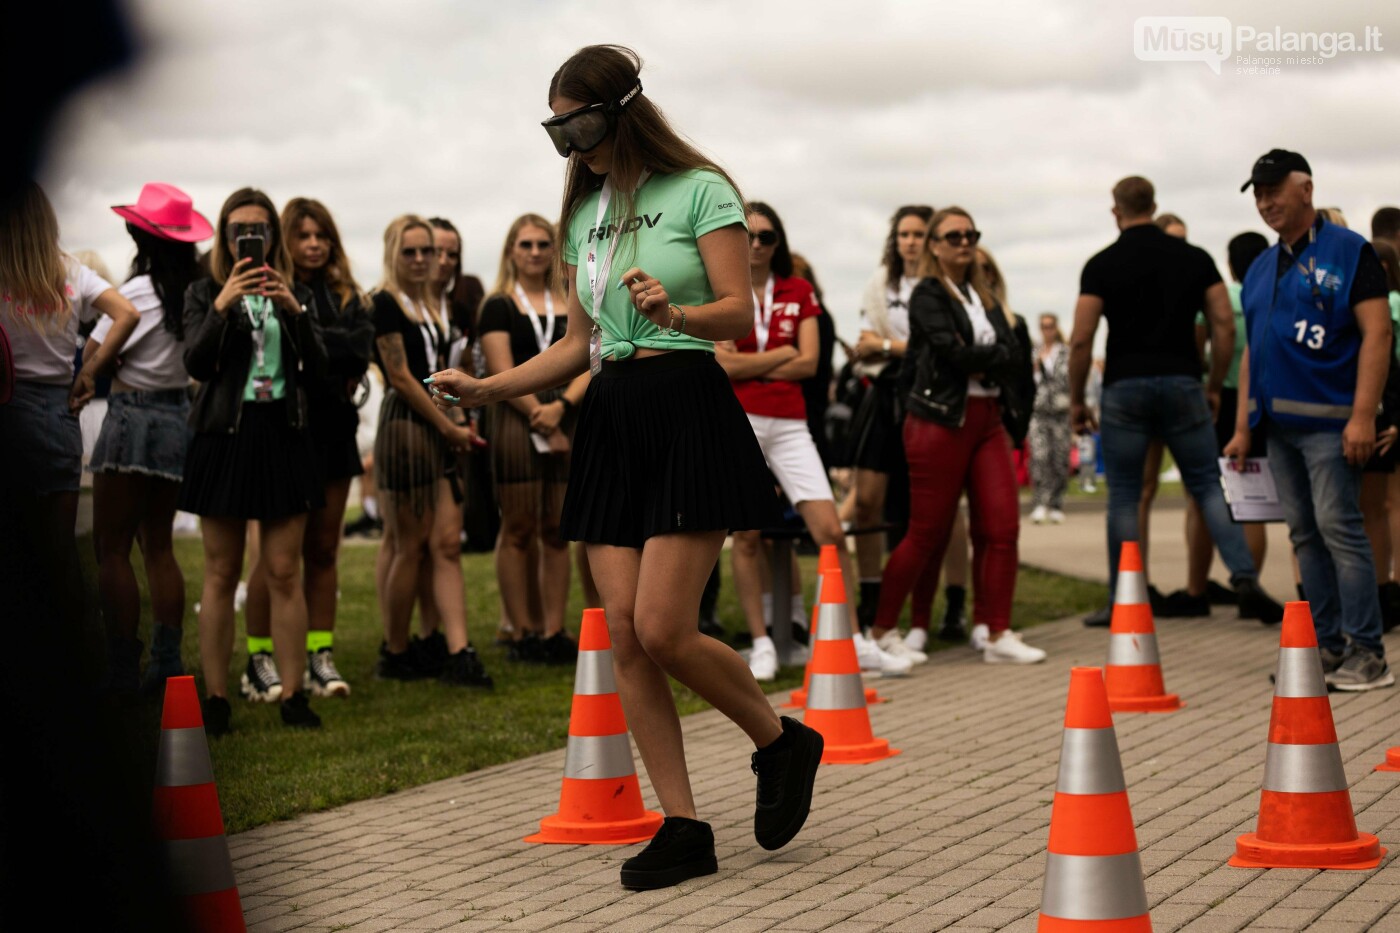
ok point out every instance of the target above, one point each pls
(240, 596)
(873, 660)
(1009, 649)
(1038, 515)
(891, 643)
(916, 639)
(980, 637)
(1057, 517)
(763, 659)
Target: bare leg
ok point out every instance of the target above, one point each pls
(281, 563)
(163, 575)
(651, 598)
(1151, 470)
(1200, 549)
(591, 599)
(554, 560)
(1256, 536)
(410, 531)
(1392, 506)
(746, 557)
(257, 610)
(321, 553)
(824, 526)
(516, 573)
(445, 552)
(429, 615)
(223, 562)
(871, 487)
(1377, 521)
(118, 501)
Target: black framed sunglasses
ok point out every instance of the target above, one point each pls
(764, 237)
(958, 237)
(530, 245)
(583, 129)
(235, 230)
(413, 252)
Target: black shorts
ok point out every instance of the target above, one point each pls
(661, 446)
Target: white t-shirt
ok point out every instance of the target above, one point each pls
(897, 307)
(983, 334)
(152, 358)
(44, 356)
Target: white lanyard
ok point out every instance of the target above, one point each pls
(428, 330)
(763, 315)
(259, 323)
(543, 333)
(598, 278)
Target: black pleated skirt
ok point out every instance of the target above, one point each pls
(265, 471)
(663, 446)
(333, 427)
(877, 428)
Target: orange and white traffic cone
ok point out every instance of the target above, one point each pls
(1093, 874)
(835, 692)
(600, 802)
(828, 624)
(1133, 674)
(1305, 814)
(188, 818)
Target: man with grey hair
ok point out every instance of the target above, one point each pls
(1315, 304)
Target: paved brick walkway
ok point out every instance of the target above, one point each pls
(948, 835)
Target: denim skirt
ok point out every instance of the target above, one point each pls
(41, 440)
(144, 432)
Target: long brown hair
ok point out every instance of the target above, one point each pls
(643, 139)
(221, 263)
(996, 282)
(33, 279)
(894, 265)
(393, 246)
(932, 268)
(506, 274)
(338, 275)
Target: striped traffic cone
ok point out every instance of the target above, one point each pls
(1133, 674)
(835, 692)
(827, 625)
(1093, 876)
(1392, 760)
(188, 818)
(600, 802)
(1305, 814)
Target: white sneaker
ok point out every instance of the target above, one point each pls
(891, 643)
(979, 639)
(1009, 649)
(1089, 487)
(763, 659)
(240, 596)
(1038, 515)
(916, 639)
(873, 660)
(1057, 517)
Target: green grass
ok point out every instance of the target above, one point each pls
(389, 736)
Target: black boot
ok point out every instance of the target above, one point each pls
(165, 658)
(954, 617)
(681, 849)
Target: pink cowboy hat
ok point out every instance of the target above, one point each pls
(167, 212)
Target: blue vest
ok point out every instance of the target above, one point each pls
(1304, 344)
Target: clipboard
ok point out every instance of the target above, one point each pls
(1250, 492)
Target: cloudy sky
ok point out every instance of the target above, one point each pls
(1025, 113)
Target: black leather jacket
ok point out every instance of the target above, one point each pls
(219, 351)
(941, 355)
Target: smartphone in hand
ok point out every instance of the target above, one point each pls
(254, 248)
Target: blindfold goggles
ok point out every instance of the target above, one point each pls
(583, 129)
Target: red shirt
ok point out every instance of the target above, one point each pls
(793, 302)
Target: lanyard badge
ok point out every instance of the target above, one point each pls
(598, 277)
(543, 333)
(763, 316)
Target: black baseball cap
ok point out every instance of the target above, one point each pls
(1274, 166)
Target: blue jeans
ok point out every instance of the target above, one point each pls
(1321, 497)
(1174, 409)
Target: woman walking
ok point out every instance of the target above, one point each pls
(1050, 430)
(664, 461)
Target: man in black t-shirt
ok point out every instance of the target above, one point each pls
(1149, 285)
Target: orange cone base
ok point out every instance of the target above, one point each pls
(1050, 924)
(1165, 703)
(1361, 853)
(556, 829)
(1392, 761)
(862, 754)
(217, 912)
(798, 698)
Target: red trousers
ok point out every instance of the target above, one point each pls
(942, 462)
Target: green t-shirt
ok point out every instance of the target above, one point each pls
(272, 355)
(673, 211)
(1395, 319)
(1232, 377)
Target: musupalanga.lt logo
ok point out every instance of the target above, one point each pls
(1252, 50)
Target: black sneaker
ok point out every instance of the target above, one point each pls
(401, 666)
(1101, 618)
(527, 648)
(365, 527)
(1155, 599)
(1255, 603)
(1220, 595)
(1362, 670)
(785, 778)
(1180, 604)
(464, 669)
(681, 849)
(954, 626)
(559, 649)
(429, 654)
(297, 713)
(217, 715)
(260, 682)
(322, 678)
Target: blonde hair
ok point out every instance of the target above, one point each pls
(1333, 215)
(393, 247)
(932, 268)
(996, 282)
(506, 274)
(33, 277)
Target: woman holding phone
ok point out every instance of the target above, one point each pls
(252, 346)
(665, 463)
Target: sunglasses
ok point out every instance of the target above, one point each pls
(583, 129)
(233, 231)
(528, 245)
(413, 252)
(765, 237)
(958, 237)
